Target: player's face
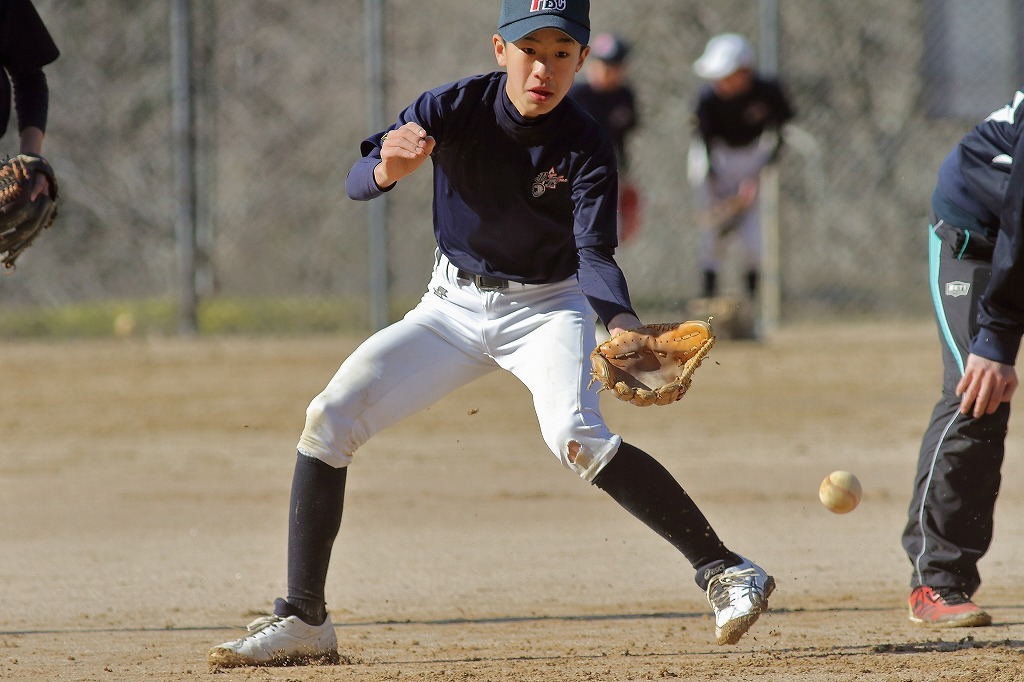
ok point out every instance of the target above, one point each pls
(603, 76)
(541, 68)
(734, 84)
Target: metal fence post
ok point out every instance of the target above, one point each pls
(377, 209)
(184, 141)
(771, 285)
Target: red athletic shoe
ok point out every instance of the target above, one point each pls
(945, 607)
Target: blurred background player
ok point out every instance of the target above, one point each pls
(606, 94)
(977, 285)
(739, 116)
(25, 48)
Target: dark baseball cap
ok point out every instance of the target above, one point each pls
(609, 48)
(520, 18)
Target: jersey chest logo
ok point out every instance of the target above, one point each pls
(547, 180)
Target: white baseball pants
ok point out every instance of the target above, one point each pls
(732, 165)
(543, 334)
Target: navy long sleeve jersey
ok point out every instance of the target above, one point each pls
(979, 181)
(740, 120)
(528, 200)
(615, 110)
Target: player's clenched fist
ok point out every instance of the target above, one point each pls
(402, 151)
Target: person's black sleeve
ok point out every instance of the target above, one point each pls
(1001, 311)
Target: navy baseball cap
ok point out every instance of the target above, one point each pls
(609, 48)
(520, 18)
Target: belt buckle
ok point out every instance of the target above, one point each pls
(489, 283)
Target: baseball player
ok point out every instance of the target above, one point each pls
(736, 106)
(25, 48)
(524, 218)
(605, 94)
(976, 274)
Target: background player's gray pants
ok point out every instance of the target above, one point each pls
(731, 166)
(949, 525)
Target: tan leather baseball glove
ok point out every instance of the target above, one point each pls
(652, 364)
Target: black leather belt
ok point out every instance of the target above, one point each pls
(484, 283)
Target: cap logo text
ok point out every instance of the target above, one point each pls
(547, 5)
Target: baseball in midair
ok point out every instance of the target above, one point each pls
(840, 492)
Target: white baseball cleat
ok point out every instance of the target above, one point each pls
(739, 594)
(273, 640)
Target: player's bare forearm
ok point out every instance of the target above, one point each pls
(622, 322)
(31, 140)
(402, 152)
(985, 385)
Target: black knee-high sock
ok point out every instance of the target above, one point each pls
(314, 518)
(648, 491)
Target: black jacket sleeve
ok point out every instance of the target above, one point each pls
(25, 48)
(1001, 312)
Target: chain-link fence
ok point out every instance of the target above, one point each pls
(882, 88)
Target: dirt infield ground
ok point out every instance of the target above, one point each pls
(144, 490)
